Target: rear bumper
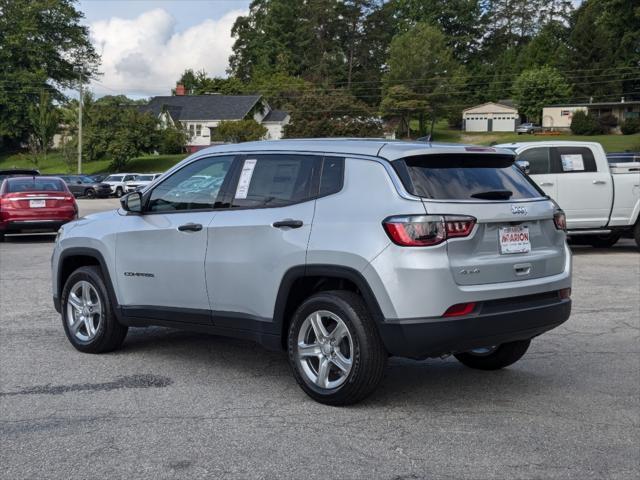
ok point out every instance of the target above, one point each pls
(32, 225)
(494, 323)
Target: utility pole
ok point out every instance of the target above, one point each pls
(80, 125)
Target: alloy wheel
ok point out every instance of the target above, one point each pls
(84, 311)
(325, 349)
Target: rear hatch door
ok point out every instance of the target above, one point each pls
(514, 238)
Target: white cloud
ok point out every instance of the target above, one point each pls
(145, 56)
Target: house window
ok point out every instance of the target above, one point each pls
(565, 113)
(198, 130)
(191, 130)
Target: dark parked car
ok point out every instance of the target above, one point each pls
(18, 172)
(84, 186)
(98, 177)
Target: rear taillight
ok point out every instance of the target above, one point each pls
(560, 220)
(427, 230)
(565, 293)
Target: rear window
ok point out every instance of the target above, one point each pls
(35, 185)
(465, 177)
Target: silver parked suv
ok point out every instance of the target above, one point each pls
(341, 252)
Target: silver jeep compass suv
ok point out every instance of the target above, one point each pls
(341, 252)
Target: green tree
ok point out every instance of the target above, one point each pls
(421, 61)
(536, 88)
(239, 131)
(404, 103)
(334, 113)
(172, 140)
(199, 83)
(41, 43)
(44, 120)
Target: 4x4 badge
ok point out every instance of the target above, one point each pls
(518, 210)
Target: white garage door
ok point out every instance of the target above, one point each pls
(476, 123)
(504, 123)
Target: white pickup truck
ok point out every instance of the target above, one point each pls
(601, 200)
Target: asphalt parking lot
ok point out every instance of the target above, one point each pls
(181, 405)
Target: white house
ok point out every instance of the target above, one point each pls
(201, 114)
(490, 117)
(559, 116)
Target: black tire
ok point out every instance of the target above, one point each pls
(503, 356)
(604, 241)
(368, 356)
(636, 233)
(1, 237)
(110, 333)
(90, 193)
(119, 192)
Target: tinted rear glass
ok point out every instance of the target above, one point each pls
(465, 177)
(35, 185)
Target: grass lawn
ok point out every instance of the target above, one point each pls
(55, 163)
(610, 143)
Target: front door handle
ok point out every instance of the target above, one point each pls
(288, 223)
(599, 182)
(190, 227)
(546, 184)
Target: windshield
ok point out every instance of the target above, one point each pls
(114, 178)
(144, 178)
(35, 185)
(465, 177)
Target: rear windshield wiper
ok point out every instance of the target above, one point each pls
(493, 195)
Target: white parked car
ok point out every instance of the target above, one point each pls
(601, 200)
(118, 182)
(141, 181)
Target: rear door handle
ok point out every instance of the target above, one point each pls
(599, 182)
(546, 184)
(190, 227)
(288, 223)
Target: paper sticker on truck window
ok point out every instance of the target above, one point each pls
(572, 163)
(245, 178)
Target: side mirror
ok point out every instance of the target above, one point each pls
(524, 166)
(132, 202)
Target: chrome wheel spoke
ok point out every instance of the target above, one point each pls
(322, 379)
(86, 293)
(309, 350)
(341, 362)
(75, 302)
(339, 332)
(76, 324)
(318, 327)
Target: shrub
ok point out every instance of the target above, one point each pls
(608, 121)
(630, 126)
(172, 140)
(583, 124)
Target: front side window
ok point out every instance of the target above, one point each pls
(194, 187)
(274, 180)
(539, 160)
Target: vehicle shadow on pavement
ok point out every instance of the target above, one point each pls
(617, 250)
(406, 382)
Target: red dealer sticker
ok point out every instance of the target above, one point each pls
(514, 240)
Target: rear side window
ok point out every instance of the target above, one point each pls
(465, 177)
(574, 159)
(35, 185)
(332, 176)
(539, 160)
(274, 180)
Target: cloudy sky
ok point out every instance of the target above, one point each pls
(146, 44)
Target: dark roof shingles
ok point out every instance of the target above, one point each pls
(203, 107)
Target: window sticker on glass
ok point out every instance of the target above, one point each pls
(245, 178)
(573, 162)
